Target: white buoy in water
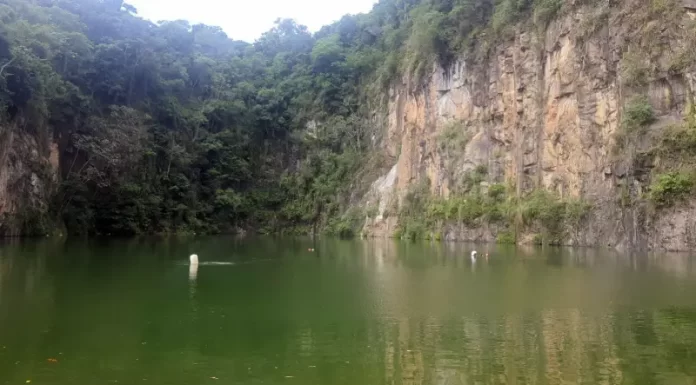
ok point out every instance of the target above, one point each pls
(473, 256)
(193, 267)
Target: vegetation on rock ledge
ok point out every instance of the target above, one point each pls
(423, 216)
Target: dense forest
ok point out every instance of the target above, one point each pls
(172, 127)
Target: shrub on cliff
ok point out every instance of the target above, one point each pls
(638, 113)
(669, 188)
(545, 11)
(635, 71)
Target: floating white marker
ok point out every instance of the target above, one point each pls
(193, 267)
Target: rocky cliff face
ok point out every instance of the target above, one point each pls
(541, 111)
(28, 180)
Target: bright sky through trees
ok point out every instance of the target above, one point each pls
(248, 19)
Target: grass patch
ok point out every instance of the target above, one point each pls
(594, 22)
(553, 214)
(543, 207)
(674, 178)
(347, 225)
(635, 71)
(670, 188)
(638, 113)
(454, 137)
(681, 61)
(470, 181)
(538, 239)
(451, 142)
(506, 238)
(372, 210)
(412, 224)
(545, 11)
(678, 142)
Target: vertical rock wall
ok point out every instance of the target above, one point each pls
(29, 167)
(541, 111)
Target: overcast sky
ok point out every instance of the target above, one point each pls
(248, 19)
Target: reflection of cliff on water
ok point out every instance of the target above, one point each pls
(555, 347)
(677, 264)
(545, 316)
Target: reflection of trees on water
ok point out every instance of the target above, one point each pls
(680, 265)
(27, 300)
(24, 282)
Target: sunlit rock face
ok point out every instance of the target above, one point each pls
(541, 110)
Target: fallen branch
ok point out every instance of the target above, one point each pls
(2, 69)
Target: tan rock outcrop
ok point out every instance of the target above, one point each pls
(541, 111)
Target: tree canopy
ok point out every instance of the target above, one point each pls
(175, 127)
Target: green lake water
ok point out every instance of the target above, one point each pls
(351, 312)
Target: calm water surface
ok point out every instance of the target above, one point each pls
(352, 312)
